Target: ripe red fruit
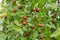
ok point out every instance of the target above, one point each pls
(25, 17)
(32, 27)
(24, 23)
(41, 37)
(40, 25)
(14, 10)
(37, 9)
(14, 0)
(26, 34)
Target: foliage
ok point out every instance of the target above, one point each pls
(30, 20)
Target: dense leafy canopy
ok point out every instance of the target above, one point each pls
(30, 20)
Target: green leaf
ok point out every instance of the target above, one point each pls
(1, 27)
(2, 36)
(1, 21)
(56, 33)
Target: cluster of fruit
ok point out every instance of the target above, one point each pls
(39, 21)
(25, 23)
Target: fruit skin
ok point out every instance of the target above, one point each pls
(40, 25)
(14, 10)
(14, 0)
(24, 17)
(24, 23)
(41, 37)
(32, 27)
(37, 9)
(26, 34)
